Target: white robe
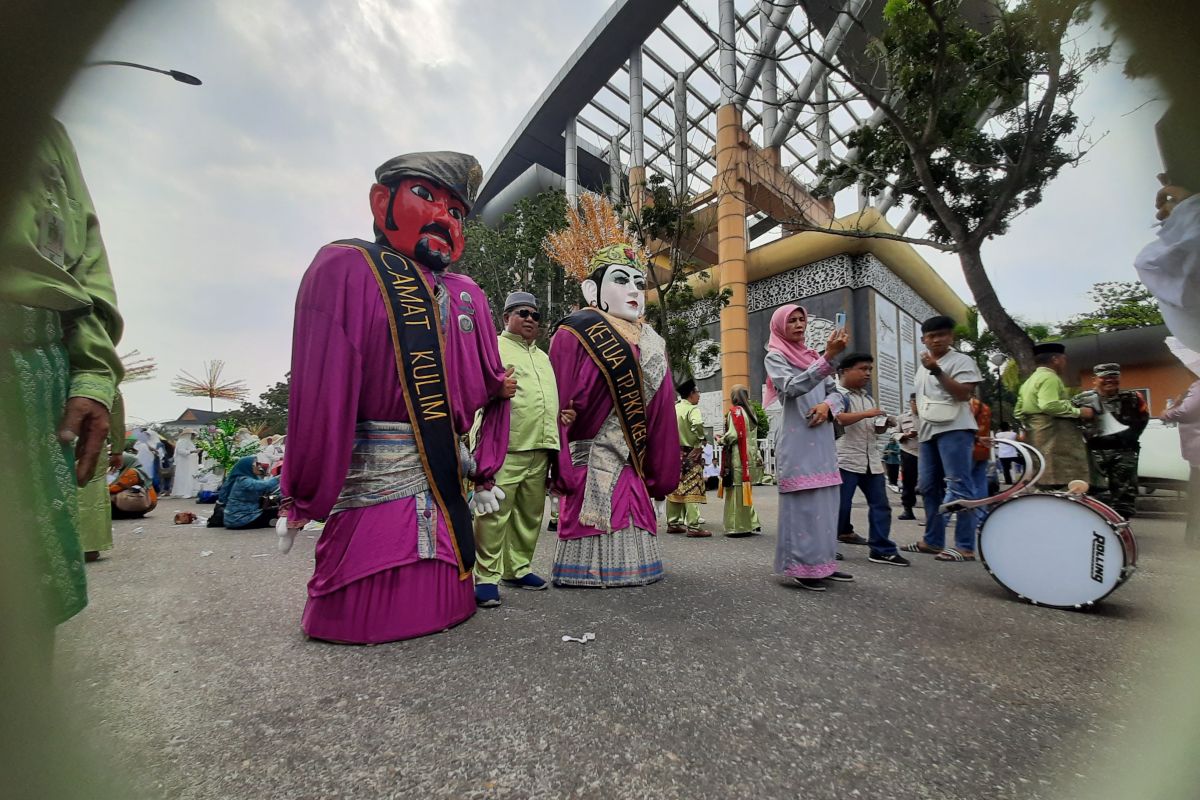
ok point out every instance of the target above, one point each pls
(187, 462)
(1170, 268)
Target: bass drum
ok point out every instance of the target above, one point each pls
(1058, 550)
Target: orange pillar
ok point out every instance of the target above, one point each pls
(729, 185)
(637, 188)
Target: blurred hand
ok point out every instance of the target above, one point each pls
(927, 360)
(1087, 412)
(510, 384)
(567, 415)
(836, 343)
(1168, 197)
(84, 424)
(819, 415)
(116, 461)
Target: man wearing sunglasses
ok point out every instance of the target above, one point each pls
(505, 540)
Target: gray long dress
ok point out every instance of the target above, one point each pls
(807, 469)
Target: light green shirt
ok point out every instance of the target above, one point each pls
(52, 257)
(533, 423)
(691, 424)
(1045, 393)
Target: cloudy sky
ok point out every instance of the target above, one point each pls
(213, 199)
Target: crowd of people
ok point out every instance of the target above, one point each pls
(395, 359)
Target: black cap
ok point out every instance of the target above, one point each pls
(936, 324)
(458, 172)
(1045, 348)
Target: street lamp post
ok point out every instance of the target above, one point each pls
(998, 360)
(182, 77)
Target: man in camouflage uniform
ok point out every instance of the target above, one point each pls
(1115, 457)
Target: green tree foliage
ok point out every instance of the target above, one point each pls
(1120, 305)
(218, 442)
(760, 414)
(269, 415)
(509, 258)
(937, 76)
(666, 224)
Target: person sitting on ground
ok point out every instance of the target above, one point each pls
(130, 490)
(243, 495)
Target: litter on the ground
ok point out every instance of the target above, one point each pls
(205, 553)
(587, 637)
(139, 529)
(260, 555)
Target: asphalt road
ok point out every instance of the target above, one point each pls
(719, 682)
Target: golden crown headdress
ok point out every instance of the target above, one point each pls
(594, 237)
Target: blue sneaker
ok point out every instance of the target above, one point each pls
(530, 581)
(487, 595)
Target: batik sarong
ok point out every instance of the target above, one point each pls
(691, 479)
(37, 473)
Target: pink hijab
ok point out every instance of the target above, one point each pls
(799, 354)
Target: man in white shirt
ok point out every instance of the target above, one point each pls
(1006, 453)
(945, 382)
(910, 452)
(860, 461)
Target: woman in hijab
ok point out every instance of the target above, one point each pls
(739, 462)
(806, 460)
(242, 495)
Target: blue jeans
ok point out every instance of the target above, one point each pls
(879, 511)
(946, 474)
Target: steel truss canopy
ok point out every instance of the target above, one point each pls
(644, 86)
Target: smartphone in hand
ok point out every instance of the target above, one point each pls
(839, 319)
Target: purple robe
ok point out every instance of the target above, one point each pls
(582, 386)
(344, 371)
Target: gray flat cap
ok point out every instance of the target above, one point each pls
(1105, 370)
(517, 299)
(458, 172)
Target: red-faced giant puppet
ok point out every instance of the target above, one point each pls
(419, 204)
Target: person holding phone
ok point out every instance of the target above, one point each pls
(861, 463)
(945, 382)
(807, 467)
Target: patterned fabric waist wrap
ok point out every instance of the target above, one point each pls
(384, 466)
(24, 326)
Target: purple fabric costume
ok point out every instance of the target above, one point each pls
(371, 584)
(582, 386)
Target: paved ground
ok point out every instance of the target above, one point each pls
(719, 682)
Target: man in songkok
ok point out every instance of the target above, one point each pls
(1115, 456)
(392, 356)
(683, 504)
(505, 540)
(1045, 407)
(622, 448)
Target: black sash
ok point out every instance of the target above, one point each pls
(415, 321)
(620, 367)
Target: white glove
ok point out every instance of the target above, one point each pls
(287, 536)
(486, 501)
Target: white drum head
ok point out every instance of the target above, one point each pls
(1052, 551)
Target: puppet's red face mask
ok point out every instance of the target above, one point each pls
(421, 219)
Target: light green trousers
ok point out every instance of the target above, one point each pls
(505, 540)
(683, 514)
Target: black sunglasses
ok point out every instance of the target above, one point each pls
(525, 313)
